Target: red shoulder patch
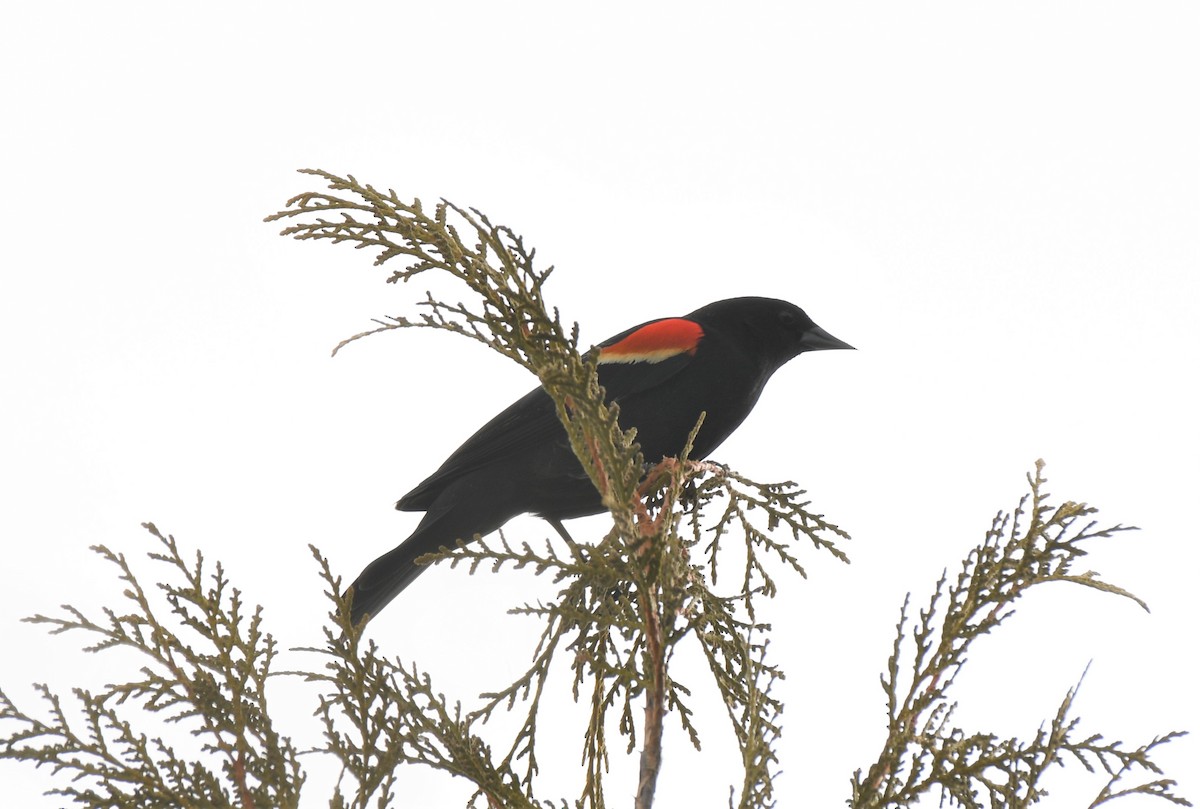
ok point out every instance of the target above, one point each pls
(655, 342)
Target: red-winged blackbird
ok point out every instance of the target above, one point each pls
(662, 374)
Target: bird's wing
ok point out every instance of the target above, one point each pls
(529, 420)
(633, 361)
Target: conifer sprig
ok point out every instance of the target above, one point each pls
(205, 668)
(1037, 544)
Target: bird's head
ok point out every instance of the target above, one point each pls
(775, 330)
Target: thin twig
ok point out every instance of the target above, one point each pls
(651, 758)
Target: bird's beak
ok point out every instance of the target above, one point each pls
(817, 339)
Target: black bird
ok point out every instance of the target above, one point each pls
(663, 374)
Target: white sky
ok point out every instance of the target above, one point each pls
(997, 203)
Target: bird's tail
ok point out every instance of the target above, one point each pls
(466, 510)
(386, 577)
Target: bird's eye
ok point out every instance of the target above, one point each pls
(787, 319)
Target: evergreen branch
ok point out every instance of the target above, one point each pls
(924, 751)
(511, 315)
(779, 504)
(208, 669)
(379, 714)
(1119, 763)
(604, 618)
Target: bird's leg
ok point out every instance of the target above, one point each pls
(557, 525)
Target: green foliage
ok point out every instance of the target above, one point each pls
(624, 605)
(508, 315)
(206, 669)
(924, 751)
(379, 714)
(600, 617)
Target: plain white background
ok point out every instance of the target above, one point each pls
(996, 203)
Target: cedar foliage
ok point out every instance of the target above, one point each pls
(624, 603)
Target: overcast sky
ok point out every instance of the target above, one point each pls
(998, 204)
